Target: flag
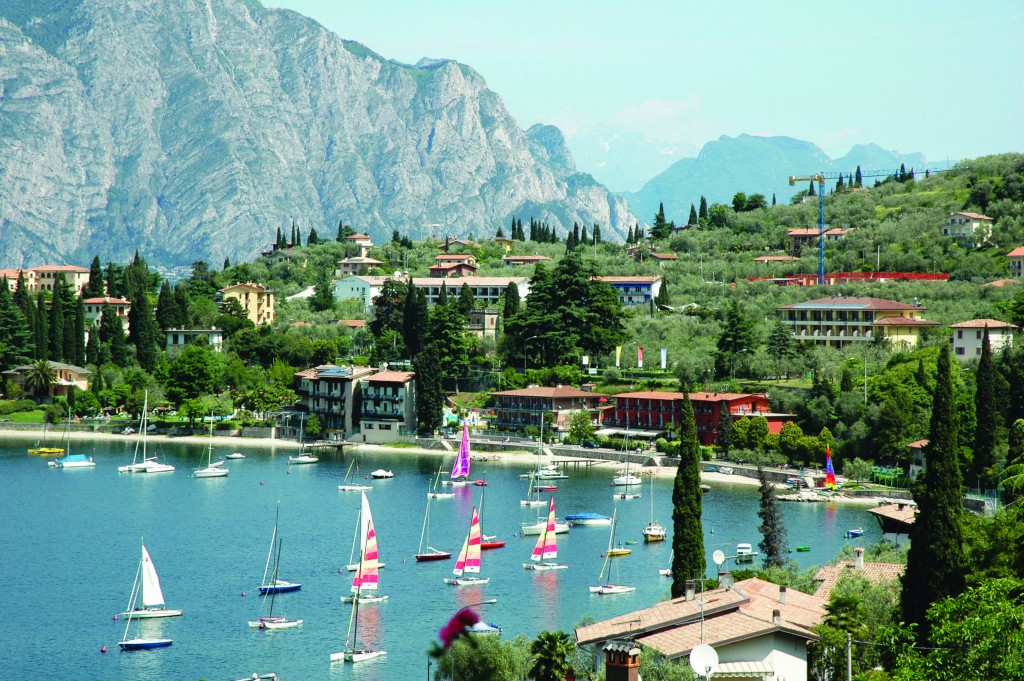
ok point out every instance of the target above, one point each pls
(830, 473)
(664, 358)
(639, 357)
(618, 354)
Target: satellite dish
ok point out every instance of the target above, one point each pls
(704, 660)
(719, 557)
(725, 580)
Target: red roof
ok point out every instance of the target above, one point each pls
(852, 302)
(973, 216)
(1016, 253)
(352, 323)
(999, 283)
(107, 300)
(559, 391)
(902, 321)
(981, 324)
(775, 258)
(664, 256)
(392, 377)
(60, 268)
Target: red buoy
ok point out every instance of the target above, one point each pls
(115, 618)
(243, 594)
(103, 650)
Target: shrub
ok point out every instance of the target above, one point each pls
(14, 406)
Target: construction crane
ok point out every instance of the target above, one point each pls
(835, 175)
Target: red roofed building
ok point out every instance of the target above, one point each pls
(968, 336)
(516, 260)
(878, 573)
(517, 409)
(971, 228)
(388, 408)
(47, 275)
(94, 310)
(662, 258)
(1016, 257)
(634, 290)
(803, 238)
(649, 413)
(452, 269)
(327, 391)
(840, 321)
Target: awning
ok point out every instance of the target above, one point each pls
(744, 670)
(629, 431)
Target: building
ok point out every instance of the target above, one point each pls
(483, 323)
(1016, 257)
(662, 258)
(505, 243)
(840, 321)
(361, 241)
(649, 414)
(177, 340)
(517, 260)
(970, 228)
(356, 265)
(799, 239)
(11, 275)
(634, 290)
(94, 310)
(760, 630)
(65, 376)
(518, 409)
(257, 301)
(487, 291)
(455, 259)
(878, 573)
(451, 269)
(776, 258)
(283, 255)
(968, 336)
(46, 277)
(327, 391)
(388, 406)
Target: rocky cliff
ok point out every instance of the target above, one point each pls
(192, 129)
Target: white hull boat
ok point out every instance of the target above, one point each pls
(381, 474)
(357, 655)
(366, 578)
(546, 548)
(538, 527)
(625, 480)
(212, 469)
(235, 455)
(145, 464)
(303, 459)
(606, 589)
(150, 594)
(610, 587)
(467, 566)
(625, 495)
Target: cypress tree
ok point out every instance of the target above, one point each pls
(501, 235)
(702, 214)
(56, 338)
(688, 561)
(41, 334)
(95, 287)
(313, 239)
(93, 351)
(114, 280)
(466, 301)
(429, 390)
(442, 296)
(181, 298)
(227, 263)
(629, 235)
(512, 302)
(167, 308)
(584, 237)
(414, 319)
(772, 528)
(15, 335)
(935, 562)
(597, 233)
(773, 198)
(112, 334)
(986, 411)
(810, 189)
(692, 220)
(79, 331)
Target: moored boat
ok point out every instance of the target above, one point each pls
(585, 519)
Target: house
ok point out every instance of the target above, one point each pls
(257, 301)
(877, 573)
(483, 323)
(968, 336)
(456, 259)
(456, 269)
(283, 255)
(11, 275)
(388, 406)
(517, 260)
(518, 409)
(46, 277)
(65, 377)
(840, 321)
(649, 414)
(177, 340)
(760, 630)
(662, 258)
(448, 244)
(799, 239)
(327, 391)
(360, 241)
(634, 290)
(918, 462)
(354, 324)
(94, 310)
(356, 265)
(505, 243)
(487, 291)
(970, 228)
(1016, 257)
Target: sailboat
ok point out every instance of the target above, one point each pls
(42, 450)
(626, 478)
(541, 526)
(434, 493)
(460, 469)
(610, 587)
(302, 456)
(353, 653)
(275, 585)
(212, 470)
(71, 460)
(149, 592)
(140, 642)
(487, 541)
(269, 622)
(546, 548)
(359, 538)
(654, 531)
(613, 550)
(346, 487)
(530, 499)
(469, 558)
(147, 464)
(367, 577)
(430, 553)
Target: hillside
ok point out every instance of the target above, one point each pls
(193, 130)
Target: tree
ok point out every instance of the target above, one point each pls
(313, 239)
(56, 326)
(191, 374)
(772, 528)
(111, 333)
(739, 202)
(725, 427)
(551, 652)
(41, 331)
(388, 307)
(857, 469)
(737, 337)
(512, 299)
(415, 318)
(39, 378)
(935, 562)
(15, 335)
(702, 215)
(94, 288)
(692, 220)
(322, 299)
(986, 414)
(142, 326)
(429, 392)
(581, 426)
(79, 331)
(688, 560)
(466, 302)
(313, 426)
(168, 313)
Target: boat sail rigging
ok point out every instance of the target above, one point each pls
(367, 569)
(468, 561)
(460, 469)
(546, 548)
(150, 594)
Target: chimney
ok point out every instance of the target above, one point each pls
(776, 617)
(858, 559)
(782, 595)
(691, 588)
(621, 661)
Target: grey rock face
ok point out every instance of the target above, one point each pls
(192, 129)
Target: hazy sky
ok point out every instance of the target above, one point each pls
(939, 77)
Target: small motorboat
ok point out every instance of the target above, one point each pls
(235, 455)
(381, 474)
(432, 554)
(547, 488)
(480, 483)
(855, 532)
(490, 541)
(588, 519)
(744, 552)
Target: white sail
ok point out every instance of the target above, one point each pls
(152, 595)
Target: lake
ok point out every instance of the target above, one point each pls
(71, 549)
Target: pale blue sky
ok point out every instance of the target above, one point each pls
(939, 77)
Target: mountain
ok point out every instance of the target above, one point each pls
(625, 159)
(753, 165)
(193, 129)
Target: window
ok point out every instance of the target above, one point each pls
(959, 334)
(977, 334)
(960, 351)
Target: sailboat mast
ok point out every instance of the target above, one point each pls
(273, 540)
(425, 532)
(273, 592)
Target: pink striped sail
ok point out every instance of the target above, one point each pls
(460, 563)
(473, 548)
(460, 469)
(547, 543)
(369, 564)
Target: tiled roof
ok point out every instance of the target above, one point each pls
(560, 391)
(829, 575)
(918, 444)
(775, 258)
(359, 260)
(835, 231)
(526, 258)
(902, 321)
(106, 300)
(352, 323)
(60, 268)
(358, 237)
(664, 256)
(472, 281)
(629, 280)
(458, 257)
(54, 366)
(973, 216)
(248, 284)
(999, 283)
(392, 377)
(651, 395)
(714, 397)
(850, 303)
(981, 324)
(1016, 253)
(905, 515)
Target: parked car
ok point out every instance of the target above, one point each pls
(589, 444)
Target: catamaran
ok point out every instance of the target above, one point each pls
(610, 587)
(530, 499)
(430, 553)
(654, 531)
(212, 469)
(435, 493)
(275, 585)
(71, 460)
(147, 464)
(302, 457)
(362, 531)
(546, 548)
(269, 622)
(346, 486)
(460, 469)
(353, 653)
(149, 592)
(469, 558)
(367, 569)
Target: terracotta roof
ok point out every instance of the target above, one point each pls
(918, 444)
(358, 237)
(714, 397)
(1016, 253)
(830, 575)
(906, 515)
(392, 377)
(629, 280)
(999, 283)
(974, 216)
(458, 257)
(248, 284)
(359, 260)
(526, 258)
(352, 323)
(981, 324)
(851, 303)
(60, 268)
(560, 391)
(651, 395)
(472, 281)
(106, 300)
(902, 321)
(665, 256)
(775, 258)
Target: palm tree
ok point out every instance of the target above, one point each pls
(551, 651)
(40, 378)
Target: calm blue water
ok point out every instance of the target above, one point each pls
(70, 549)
